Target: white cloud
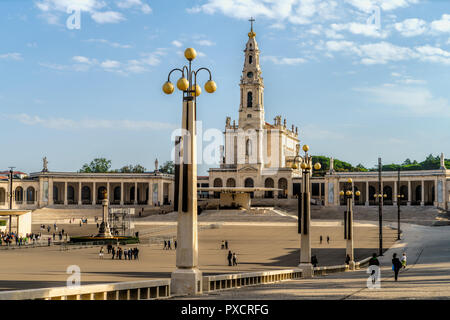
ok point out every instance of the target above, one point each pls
(127, 4)
(442, 25)
(385, 52)
(294, 11)
(206, 43)
(109, 43)
(11, 56)
(411, 27)
(64, 124)
(107, 17)
(53, 9)
(409, 100)
(369, 30)
(81, 59)
(385, 5)
(284, 61)
(177, 43)
(110, 64)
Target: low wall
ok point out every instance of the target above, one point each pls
(238, 280)
(133, 290)
(322, 271)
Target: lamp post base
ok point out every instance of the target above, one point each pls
(307, 270)
(186, 281)
(352, 265)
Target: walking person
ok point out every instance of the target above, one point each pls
(314, 261)
(321, 239)
(113, 252)
(165, 245)
(175, 243)
(234, 259)
(347, 259)
(100, 254)
(328, 239)
(226, 244)
(169, 246)
(229, 257)
(403, 260)
(374, 262)
(396, 265)
(222, 246)
(125, 253)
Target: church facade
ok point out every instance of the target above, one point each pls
(256, 153)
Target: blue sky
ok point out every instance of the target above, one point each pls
(356, 89)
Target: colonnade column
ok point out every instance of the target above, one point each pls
(150, 194)
(65, 193)
(94, 194)
(135, 193)
(409, 193)
(79, 194)
(422, 199)
(121, 193)
(367, 193)
(107, 192)
(435, 193)
(50, 192)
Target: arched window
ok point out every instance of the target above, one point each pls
(19, 194)
(248, 183)
(248, 148)
(2, 196)
(217, 184)
(101, 193)
(117, 194)
(86, 194)
(268, 184)
(249, 115)
(30, 194)
(70, 193)
(231, 183)
(250, 59)
(55, 194)
(282, 184)
(249, 99)
(404, 192)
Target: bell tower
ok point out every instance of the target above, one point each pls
(251, 110)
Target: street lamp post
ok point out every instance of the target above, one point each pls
(11, 195)
(187, 278)
(304, 212)
(380, 197)
(399, 196)
(347, 193)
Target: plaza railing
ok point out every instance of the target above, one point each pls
(132, 290)
(239, 280)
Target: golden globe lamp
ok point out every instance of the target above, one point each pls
(168, 87)
(197, 90)
(210, 86)
(190, 54)
(348, 193)
(305, 148)
(341, 193)
(349, 180)
(303, 166)
(317, 166)
(357, 193)
(182, 84)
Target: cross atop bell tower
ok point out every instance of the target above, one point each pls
(251, 110)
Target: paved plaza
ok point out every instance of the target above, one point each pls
(427, 275)
(269, 243)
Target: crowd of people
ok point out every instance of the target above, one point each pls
(7, 238)
(119, 252)
(231, 256)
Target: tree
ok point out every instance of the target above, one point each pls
(98, 165)
(167, 167)
(407, 162)
(132, 169)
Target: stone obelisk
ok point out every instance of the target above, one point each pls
(104, 231)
